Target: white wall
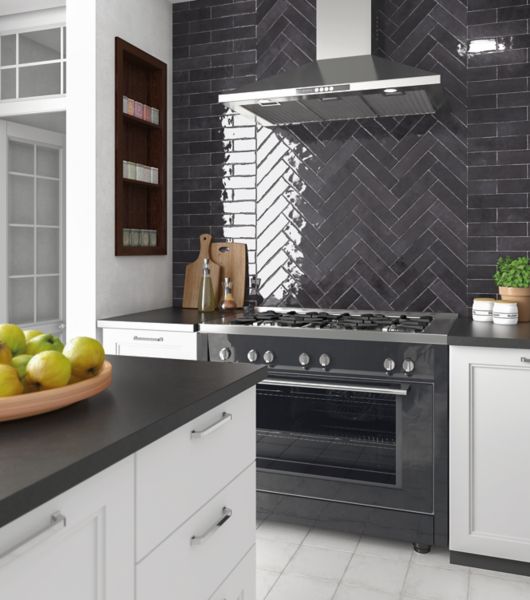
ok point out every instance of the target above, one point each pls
(127, 284)
(100, 284)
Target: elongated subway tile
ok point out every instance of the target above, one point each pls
(334, 540)
(433, 583)
(274, 555)
(376, 573)
(319, 562)
(294, 587)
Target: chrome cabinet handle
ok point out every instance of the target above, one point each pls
(197, 434)
(402, 391)
(200, 539)
(57, 522)
(138, 338)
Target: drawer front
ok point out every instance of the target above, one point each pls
(179, 473)
(151, 343)
(197, 558)
(241, 583)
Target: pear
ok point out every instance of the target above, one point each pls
(10, 384)
(13, 336)
(86, 355)
(20, 363)
(5, 354)
(31, 333)
(48, 369)
(45, 341)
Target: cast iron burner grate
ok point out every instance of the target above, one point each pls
(324, 320)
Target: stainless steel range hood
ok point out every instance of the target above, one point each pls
(346, 82)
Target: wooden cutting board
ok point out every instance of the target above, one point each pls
(232, 258)
(192, 279)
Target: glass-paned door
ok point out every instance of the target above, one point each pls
(32, 63)
(34, 213)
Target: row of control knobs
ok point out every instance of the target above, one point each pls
(324, 360)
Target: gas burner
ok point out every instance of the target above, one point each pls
(342, 321)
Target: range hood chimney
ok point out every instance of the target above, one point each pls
(345, 82)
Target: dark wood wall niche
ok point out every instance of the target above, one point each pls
(140, 205)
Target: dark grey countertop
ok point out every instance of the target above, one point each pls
(466, 332)
(170, 318)
(43, 456)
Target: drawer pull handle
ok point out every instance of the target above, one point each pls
(138, 338)
(226, 418)
(57, 522)
(200, 539)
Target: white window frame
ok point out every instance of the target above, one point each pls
(22, 23)
(32, 135)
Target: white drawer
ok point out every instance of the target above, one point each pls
(178, 474)
(180, 568)
(151, 343)
(241, 583)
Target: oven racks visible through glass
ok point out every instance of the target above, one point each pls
(342, 438)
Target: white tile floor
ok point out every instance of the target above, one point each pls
(298, 563)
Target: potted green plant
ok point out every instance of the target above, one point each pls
(513, 278)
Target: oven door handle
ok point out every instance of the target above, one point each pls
(402, 391)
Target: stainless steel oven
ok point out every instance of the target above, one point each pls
(359, 441)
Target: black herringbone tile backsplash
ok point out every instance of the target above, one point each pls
(371, 214)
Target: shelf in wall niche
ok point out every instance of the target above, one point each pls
(135, 120)
(140, 204)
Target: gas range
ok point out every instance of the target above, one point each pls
(423, 328)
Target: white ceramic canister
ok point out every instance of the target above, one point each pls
(483, 310)
(505, 313)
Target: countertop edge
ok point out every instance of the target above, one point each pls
(37, 494)
(146, 325)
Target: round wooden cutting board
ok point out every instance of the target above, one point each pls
(37, 403)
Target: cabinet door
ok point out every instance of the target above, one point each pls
(241, 583)
(85, 552)
(489, 452)
(151, 343)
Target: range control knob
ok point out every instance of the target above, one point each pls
(252, 356)
(224, 353)
(304, 359)
(408, 366)
(389, 365)
(324, 360)
(268, 357)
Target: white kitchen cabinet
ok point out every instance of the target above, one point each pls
(201, 457)
(154, 343)
(79, 545)
(241, 583)
(490, 452)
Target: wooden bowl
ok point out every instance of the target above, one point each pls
(37, 403)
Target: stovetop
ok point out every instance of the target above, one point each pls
(335, 324)
(345, 320)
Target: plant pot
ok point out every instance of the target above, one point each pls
(522, 297)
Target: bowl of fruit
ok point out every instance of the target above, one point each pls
(39, 374)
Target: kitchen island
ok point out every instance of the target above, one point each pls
(99, 494)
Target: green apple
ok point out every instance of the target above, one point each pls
(20, 363)
(10, 384)
(86, 356)
(48, 369)
(45, 341)
(31, 333)
(5, 354)
(13, 336)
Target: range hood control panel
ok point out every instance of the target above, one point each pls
(343, 87)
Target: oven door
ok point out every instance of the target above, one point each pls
(361, 442)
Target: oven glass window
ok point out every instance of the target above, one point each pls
(328, 433)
